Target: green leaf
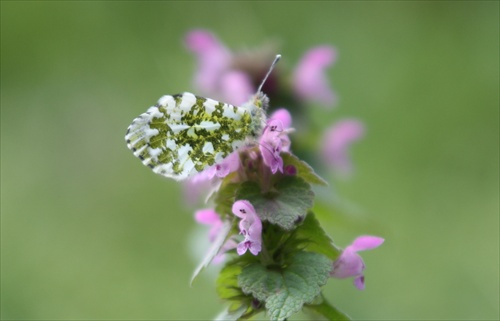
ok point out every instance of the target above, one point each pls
(213, 250)
(285, 291)
(312, 234)
(327, 310)
(303, 169)
(227, 282)
(284, 205)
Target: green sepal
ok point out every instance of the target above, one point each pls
(284, 205)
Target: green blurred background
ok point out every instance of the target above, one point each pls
(87, 232)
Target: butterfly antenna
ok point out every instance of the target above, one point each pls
(278, 57)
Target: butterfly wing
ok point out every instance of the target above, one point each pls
(184, 134)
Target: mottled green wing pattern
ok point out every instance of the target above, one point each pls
(184, 134)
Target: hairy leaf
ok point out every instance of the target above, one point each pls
(285, 291)
(286, 204)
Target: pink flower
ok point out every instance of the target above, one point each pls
(248, 244)
(194, 187)
(211, 218)
(207, 180)
(250, 227)
(228, 165)
(275, 139)
(336, 143)
(282, 130)
(284, 116)
(310, 82)
(351, 264)
(270, 146)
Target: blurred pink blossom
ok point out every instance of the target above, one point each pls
(309, 79)
(211, 218)
(336, 142)
(213, 59)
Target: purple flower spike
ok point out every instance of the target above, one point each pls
(209, 217)
(213, 59)
(310, 82)
(351, 264)
(337, 141)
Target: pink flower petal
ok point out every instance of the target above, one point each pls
(241, 248)
(348, 264)
(359, 282)
(284, 116)
(199, 41)
(236, 87)
(363, 243)
(248, 244)
(228, 165)
(351, 264)
(242, 208)
(310, 82)
(255, 248)
(270, 149)
(209, 217)
(270, 145)
(206, 216)
(221, 256)
(195, 187)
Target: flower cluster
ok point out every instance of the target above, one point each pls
(263, 223)
(233, 77)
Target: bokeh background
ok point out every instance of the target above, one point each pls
(88, 233)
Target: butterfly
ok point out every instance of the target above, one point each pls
(184, 134)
